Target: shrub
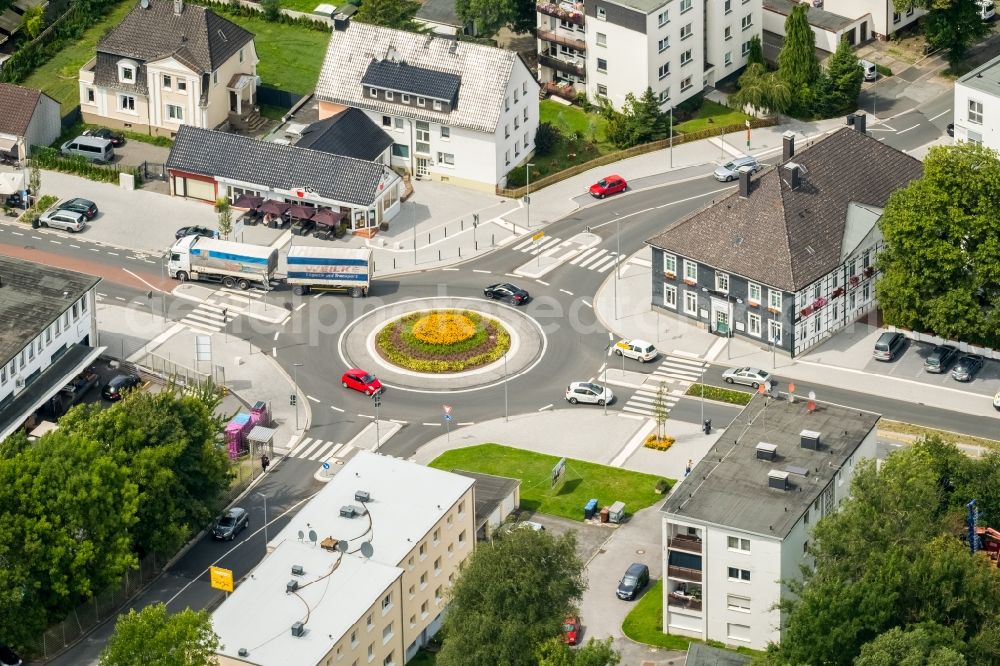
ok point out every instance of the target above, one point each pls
(582, 101)
(399, 345)
(271, 9)
(546, 138)
(720, 394)
(443, 328)
(50, 158)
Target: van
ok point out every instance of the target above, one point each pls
(94, 149)
(987, 9)
(871, 73)
(888, 345)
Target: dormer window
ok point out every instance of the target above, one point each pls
(388, 96)
(126, 71)
(421, 101)
(437, 105)
(372, 92)
(405, 99)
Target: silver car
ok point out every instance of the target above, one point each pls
(588, 392)
(731, 170)
(749, 376)
(62, 219)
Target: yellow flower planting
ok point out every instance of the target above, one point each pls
(660, 444)
(444, 328)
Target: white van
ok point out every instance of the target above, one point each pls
(93, 148)
(987, 9)
(871, 73)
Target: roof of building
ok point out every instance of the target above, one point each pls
(439, 11)
(17, 106)
(198, 37)
(350, 133)
(32, 296)
(491, 491)
(484, 72)
(729, 486)
(700, 654)
(985, 78)
(816, 17)
(334, 592)
(392, 75)
(789, 238)
(407, 499)
(644, 6)
(278, 166)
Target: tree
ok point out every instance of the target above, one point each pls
(488, 16)
(953, 25)
(511, 597)
(927, 644)
(152, 636)
(756, 54)
(660, 410)
(845, 77)
(763, 91)
(34, 20)
(225, 212)
(554, 652)
(639, 121)
(271, 9)
(547, 137)
(940, 269)
(389, 13)
(35, 181)
(797, 62)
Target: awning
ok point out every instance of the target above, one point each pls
(240, 81)
(272, 207)
(327, 217)
(6, 144)
(300, 212)
(11, 182)
(248, 201)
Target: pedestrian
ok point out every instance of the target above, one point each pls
(687, 470)
(264, 462)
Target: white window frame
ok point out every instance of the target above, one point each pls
(738, 544)
(421, 101)
(753, 324)
(686, 57)
(691, 301)
(727, 7)
(389, 96)
(601, 39)
(686, 83)
(404, 98)
(602, 90)
(753, 293)
(373, 92)
(670, 264)
(737, 603)
(722, 281)
(447, 159)
(663, 18)
(445, 133)
(132, 69)
(604, 69)
(774, 332)
(121, 106)
(975, 115)
(727, 33)
(728, 58)
(437, 105)
(742, 575)
(690, 271)
(746, 22)
(182, 86)
(664, 70)
(670, 296)
(663, 44)
(686, 31)
(686, 6)
(168, 82)
(602, 14)
(175, 112)
(774, 299)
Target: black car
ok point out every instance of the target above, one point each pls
(196, 231)
(8, 657)
(951, 129)
(507, 292)
(85, 207)
(117, 139)
(967, 367)
(632, 583)
(231, 523)
(940, 359)
(119, 384)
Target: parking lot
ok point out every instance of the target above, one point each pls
(589, 538)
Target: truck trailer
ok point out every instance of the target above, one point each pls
(232, 264)
(315, 268)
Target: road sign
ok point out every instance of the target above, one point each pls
(222, 579)
(539, 236)
(447, 409)
(448, 418)
(326, 465)
(558, 470)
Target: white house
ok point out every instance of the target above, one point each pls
(977, 105)
(27, 118)
(458, 112)
(736, 529)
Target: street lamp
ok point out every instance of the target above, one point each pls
(606, 349)
(265, 521)
(618, 256)
(506, 413)
(377, 399)
(671, 137)
(527, 192)
(295, 379)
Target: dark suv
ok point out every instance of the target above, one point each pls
(119, 384)
(940, 359)
(888, 345)
(230, 524)
(632, 583)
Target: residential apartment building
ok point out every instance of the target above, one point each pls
(169, 64)
(458, 112)
(977, 105)
(736, 529)
(788, 258)
(360, 573)
(48, 319)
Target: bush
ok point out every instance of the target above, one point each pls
(271, 9)
(582, 101)
(238, 10)
(730, 396)
(883, 70)
(547, 137)
(399, 345)
(50, 158)
(659, 443)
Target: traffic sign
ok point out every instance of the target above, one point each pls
(448, 417)
(222, 579)
(539, 236)
(326, 465)
(447, 409)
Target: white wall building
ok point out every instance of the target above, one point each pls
(735, 530)
(459, 112)
(977, 105)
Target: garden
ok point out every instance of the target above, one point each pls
(442, 341)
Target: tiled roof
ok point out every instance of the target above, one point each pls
(198, 37)
(400, 76)
(17, 105)
(275, 165)
(789, 238)
(350, 133)
(484, 70)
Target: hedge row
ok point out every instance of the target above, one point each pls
(52, 159)
(731, 396)
(235, 9)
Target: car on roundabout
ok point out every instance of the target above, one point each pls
(589, 393)
(637, 349)
(361, 381)
(752, 377)
(505, 291)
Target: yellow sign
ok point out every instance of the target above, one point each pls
(539, 236)
(222, 579)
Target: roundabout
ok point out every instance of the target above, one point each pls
(442, 341)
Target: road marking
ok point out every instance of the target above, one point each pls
(566, 292)
(35, 237)
(548, 406)
(274, 352)
(601, 369)
(276, 334)
(312, 398)
(399, 422)
(511, 275)
(298, 447)
(587, 303)
(463, 423)
(55, 241)
(593, 258)
(312, 448)
(432, 424)
(943, 113)
(94, 249)
(18, 233)
(583, 254)
(301, 305)
(317, 294)
(119, 298)
(74, 246)
(337, 409)
(908, 129)
(451, 269)
(103, 295)
(479, 270)
(113, 254)
(142, 281)
(542, 282)
(610, 337)
(367, 416)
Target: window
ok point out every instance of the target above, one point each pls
(805, 517)
(524, 114)
(413, 620)
(738, 574)
(525, 140)
(602, 90)
(126, 73)
(602, 39)
(896, 17)
(517, 122)
(753, 292)
(423, 137)
(167, 81)
(126, 103)
(437, 566)
(686, 57)
(686, 31)
(728, 6)
(670, 296)
(663, 18)
(175, 113)
(369, 622)
(664, 70)
(685, 5)
(31, 351)
(405, 99)
(215, 77)
(48, 335)
(746, 22)
(76, 311)
(182, 85)
(22, 359)
(690, 271)
(866, 291)
(447, 159)
(727, 33)
(437, 536)
(445, 132)
(423, 580)
(389, 96)
(354, 637)
(461, 537)
(735, 603)
(774, 299)
(774, 332)
(516, 97)
(816, 288)
(686, 84)
(664, 95)
(975, 112)
(401, 151)
(438, 594)
(524, 87)
(3, 375)
(451, 549)
(423, 550)
(421, 101)
(691, 302)
(852, 267)
(736, 543)
(753, 324)
(437, 105)
(423, 610)
(664, 44)
(387, 633)
(387, 602)
(670, 263)
(506, 131)
(90, 95)
(371, 652)
(506, 157)
(817, 322)
(602, 14)
(746, 48)
(66, 320)
(506, 104)
(372, 92)
(602, 65)
(909, 12)
(805, 546)
(386, 121)
(388, 661)
(721, 281)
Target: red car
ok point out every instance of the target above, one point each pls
(571, 628)
(359, 380)
(608, 185)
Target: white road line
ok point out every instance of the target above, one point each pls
(312, 447)
(317, 294)
(399, 422)
(336, 449)
(943, 113)
(450, 269)
(142, 281)
(55, 241)
(512, 275)
(587, 303)
(542, 282)
(367, 416)
(479, 270)
(274, 352)
(276, 334)
(524, 243)
(336, 409)
(94, 249)
(548, 406)
(312, 398)
(908, 129)
(301, 305)
(347, 449)
(593, 258)
(322, 452)
(34, 237)
(431, 424)
(566, 292)
(601, 369)
(18, 233)
(298, 447)
(101, 294)
(605, 267)
(76, 247)
(583, 254)
(119, 298)
(113, 254)
(610, 337)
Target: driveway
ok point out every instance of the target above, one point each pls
(589, 538)
(134, 153)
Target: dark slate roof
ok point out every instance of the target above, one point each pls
(391, 75)
(198, 37)
(32, 296)
(490, 492)
(440, 11)
(274, 165)
(17, 105)
(700, 654)
(816, 17)
(350, 133)
(788, 238)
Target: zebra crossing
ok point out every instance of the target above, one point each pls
(213, 314)
(320, 450)
(595, 259)
(643, 401)
(683, 369)
(676, 369)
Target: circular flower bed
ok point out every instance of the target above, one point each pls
(442, 341)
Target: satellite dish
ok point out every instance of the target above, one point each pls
(144, 4)
(342, 545)
(366, 549)
(301, 535)
(312, 536)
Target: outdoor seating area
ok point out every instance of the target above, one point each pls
(302, 219)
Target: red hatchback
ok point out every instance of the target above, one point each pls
(359, 380)
(571, 630)
(608, 185)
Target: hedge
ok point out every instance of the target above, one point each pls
(731, 396)
(52, 159)
(239, 10)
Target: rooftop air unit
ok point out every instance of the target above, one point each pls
(243, 652)
(362, 496)
(348, 511)
(298, 629)
(297, 570)
(777, 479)
(291, 586)
(766, 451)
(809, 439)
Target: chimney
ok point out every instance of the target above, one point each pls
(178, 7)
(860, 122)
(787, 146)
(794, 177)
(341, 22)
(745, 183)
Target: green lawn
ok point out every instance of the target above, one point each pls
(712, 114)
(581, 480)
(290, 56)
(573, 119)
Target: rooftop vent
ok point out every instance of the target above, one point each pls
(352, 511)
(297, 570)
(453, 47)
(243, 652)
(362, 496)
(766, 451)
(777, 479)
(341, 22)
(745, 175)
(809, 439)
(291, 586)
(298, 629)
(795, 173)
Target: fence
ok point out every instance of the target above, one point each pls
(276, 97)
(153, 171)
(180, 373)
(517, 193)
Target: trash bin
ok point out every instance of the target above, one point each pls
(708, 426)
(604, 515)
(590, 509)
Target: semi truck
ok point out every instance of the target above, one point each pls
(315, 268)
(232, 264)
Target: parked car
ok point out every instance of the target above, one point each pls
(967, 367)
(940, 359)
(85, 207)
(524, 525)
(731, 170)
(571, 630)
(8, 657)
(748, 376)
(119, 384)
(230, 524)
(362, 381)
(888, 345)
(950, 129)
(62, 219)
(869, 69)
(640, 350)
(632, 583)
(507, 292)
(590, 393)
(996, 401)
(117, 139)
(608, 185)
(196, 230)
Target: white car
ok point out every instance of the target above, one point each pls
(640, 350)
(750, 376)
(996, 400)
(594, 394)
(62, 219)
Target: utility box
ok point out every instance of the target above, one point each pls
(590, 509)
(616, 513)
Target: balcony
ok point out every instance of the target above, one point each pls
(563, 11)
(555, 38)
(561, 65)
(691, 544)
(684, 601)
(683, 573)
(564, 90)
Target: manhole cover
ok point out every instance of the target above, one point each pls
(640, 552)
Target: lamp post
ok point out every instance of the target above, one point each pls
(702, 382)
(527, 193)
(671, 137)
(377, 399)
(265, 521)
(618, 238)
(606, 376)
(295, 379)
(506, 412)
(874, 93)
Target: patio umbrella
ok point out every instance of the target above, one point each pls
(327, 218)
(300, 212)
(272, 207)
(248, 201)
